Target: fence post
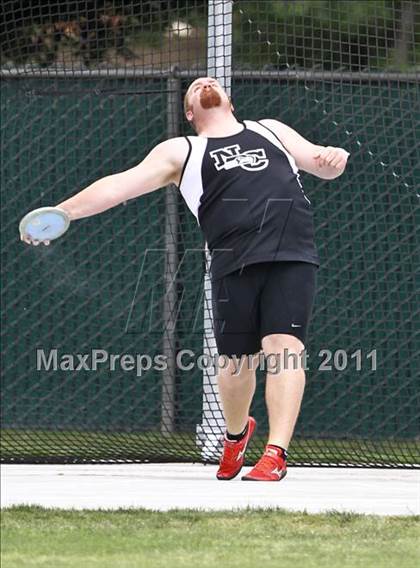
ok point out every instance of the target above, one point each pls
(219, 66)
(171, 264)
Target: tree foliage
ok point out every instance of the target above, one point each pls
(330, 34)
(354, 35)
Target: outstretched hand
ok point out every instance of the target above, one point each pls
(43, 225)
(26, 239)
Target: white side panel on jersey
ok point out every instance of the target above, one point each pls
(191, 187)
(266, 133)
(271, 137)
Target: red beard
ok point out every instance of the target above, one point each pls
(209, 98)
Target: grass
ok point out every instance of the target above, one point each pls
(35, 537)
(72, 446)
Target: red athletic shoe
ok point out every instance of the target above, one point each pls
(232, 459)
(271, 467)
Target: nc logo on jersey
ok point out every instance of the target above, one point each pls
(231, 157)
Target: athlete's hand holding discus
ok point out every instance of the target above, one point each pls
(43, 225)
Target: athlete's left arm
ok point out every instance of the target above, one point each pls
(325, 162)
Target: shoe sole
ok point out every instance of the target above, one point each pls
(239, 470)
(229, 478)
(245, 478)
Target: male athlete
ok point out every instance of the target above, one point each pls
(241, 181)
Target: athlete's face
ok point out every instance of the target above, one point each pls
(203, 94)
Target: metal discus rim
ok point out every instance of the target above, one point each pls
(38, 214)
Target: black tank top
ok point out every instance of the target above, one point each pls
(247, 196)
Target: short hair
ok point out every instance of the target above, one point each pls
(186, 101)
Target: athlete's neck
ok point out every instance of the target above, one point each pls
(219, 126)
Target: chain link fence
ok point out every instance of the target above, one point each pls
(89, 91)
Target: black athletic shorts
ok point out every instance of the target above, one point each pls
(259, 300)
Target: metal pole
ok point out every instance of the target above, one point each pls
(219, 66)
(171, 264)
(141, 73)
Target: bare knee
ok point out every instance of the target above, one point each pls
(280, 342)
(283, 353)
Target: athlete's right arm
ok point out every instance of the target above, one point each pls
(162, 166)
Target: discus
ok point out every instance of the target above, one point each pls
(44, 224)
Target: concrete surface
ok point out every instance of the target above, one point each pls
(168, 486)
